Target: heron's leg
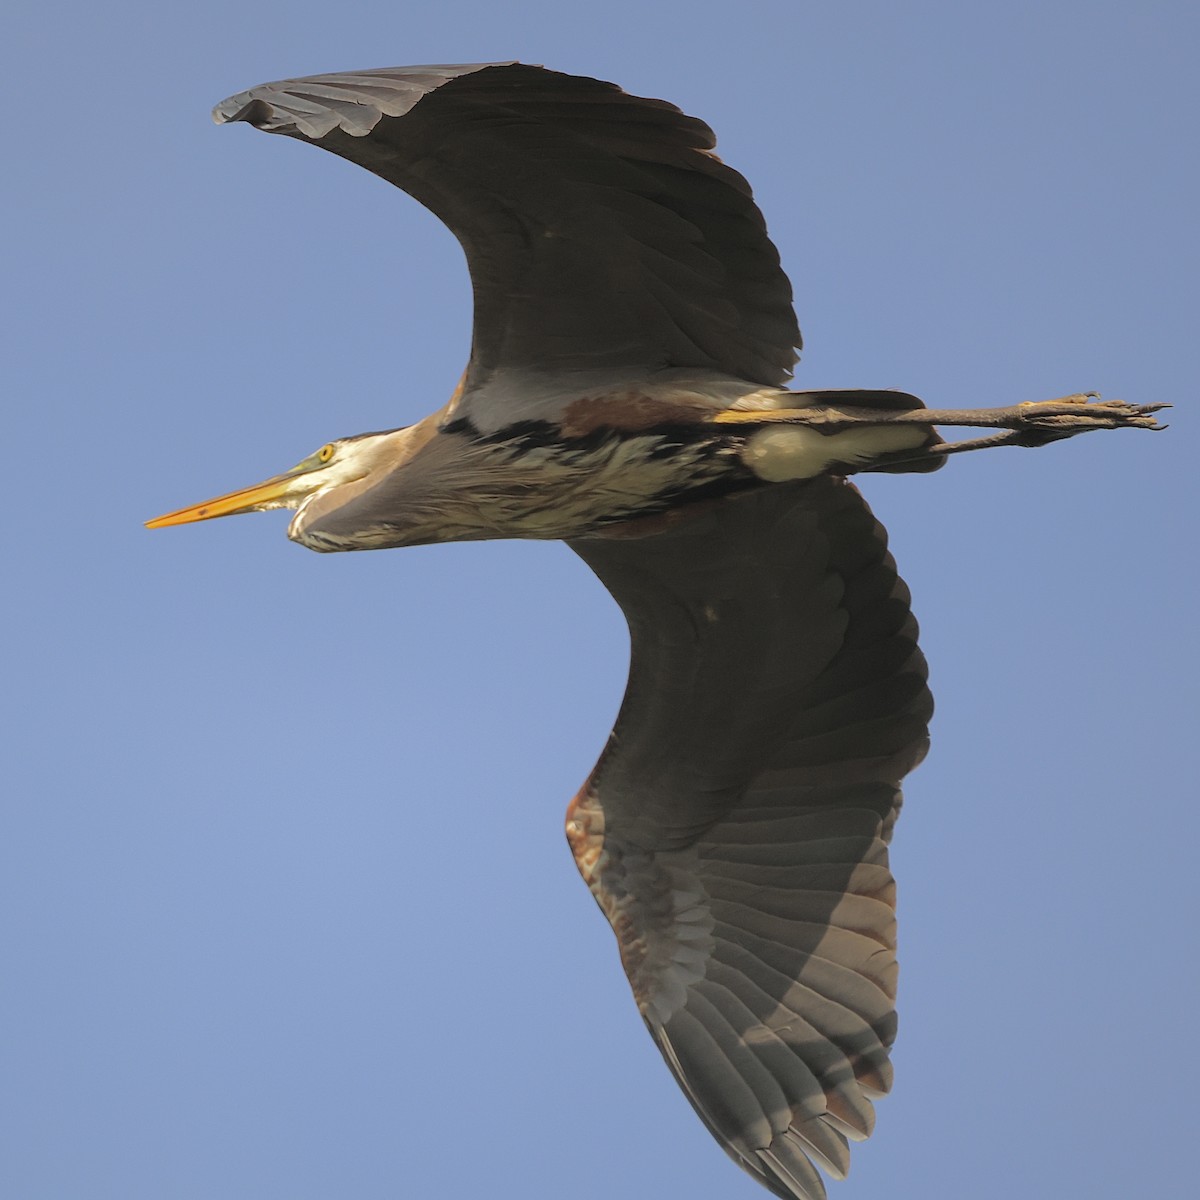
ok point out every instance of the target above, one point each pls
(1034, 423)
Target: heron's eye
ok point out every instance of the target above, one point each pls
(325, 453)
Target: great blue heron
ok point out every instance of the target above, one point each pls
(633, 337)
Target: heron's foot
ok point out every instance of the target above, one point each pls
(1079, 413)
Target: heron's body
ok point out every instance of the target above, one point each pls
(619, 454)
(626, 393)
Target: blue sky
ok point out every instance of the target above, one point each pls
(287, 910)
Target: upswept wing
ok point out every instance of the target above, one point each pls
(602, 234)
(735, 829)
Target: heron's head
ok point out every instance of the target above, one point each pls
(336, 466)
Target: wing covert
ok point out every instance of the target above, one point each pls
(735, 829)
(602, 234)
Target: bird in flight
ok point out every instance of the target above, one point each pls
(627, 393)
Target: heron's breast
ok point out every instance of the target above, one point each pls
(528, 481)
(569, 488)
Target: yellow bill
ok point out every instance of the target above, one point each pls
(274, 493)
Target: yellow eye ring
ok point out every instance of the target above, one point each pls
(325, 453)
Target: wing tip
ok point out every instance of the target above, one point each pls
(241, 107)
(256, 107)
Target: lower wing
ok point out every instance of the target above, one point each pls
(735, 829)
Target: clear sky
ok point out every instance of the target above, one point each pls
(287, 910)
